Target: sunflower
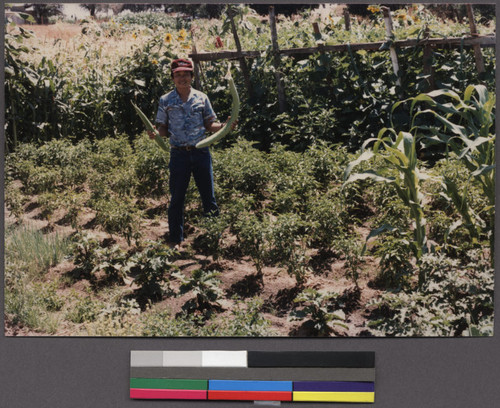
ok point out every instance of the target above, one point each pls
(182, 35)
(373, 8)
(168, 38)
(154, 61)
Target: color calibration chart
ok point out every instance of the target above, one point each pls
(305, 376)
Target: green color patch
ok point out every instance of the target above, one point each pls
(168, 384)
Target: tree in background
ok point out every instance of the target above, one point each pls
(197, 10)
(42, 12)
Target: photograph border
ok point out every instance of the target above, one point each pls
(94, 372)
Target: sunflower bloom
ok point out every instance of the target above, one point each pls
(154, 61)
(168, 38)
(182, 35)
(373, 9)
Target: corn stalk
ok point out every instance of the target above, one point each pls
(398, 151)
(467, 126)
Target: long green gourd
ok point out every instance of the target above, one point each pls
(234, 114)
(150, 127)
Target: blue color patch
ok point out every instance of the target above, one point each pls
(242, 385)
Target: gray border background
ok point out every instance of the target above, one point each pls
(94, 372)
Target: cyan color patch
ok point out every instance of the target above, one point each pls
(242, 385)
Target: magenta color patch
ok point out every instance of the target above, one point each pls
(142, 393)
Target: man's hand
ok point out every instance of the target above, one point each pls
(235, 123)
(216, 126)
(162, 131)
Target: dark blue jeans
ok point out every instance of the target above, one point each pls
(182, 164)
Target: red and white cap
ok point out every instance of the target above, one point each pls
(181, 65)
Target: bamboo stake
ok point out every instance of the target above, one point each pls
(477, 49)
(279, 81)
(392, 50)
(243, 64)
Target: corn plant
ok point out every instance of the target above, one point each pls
(467, 126)
(399, 154)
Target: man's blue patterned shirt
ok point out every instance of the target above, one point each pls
(186, 120)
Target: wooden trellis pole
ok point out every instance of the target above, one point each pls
(279, 81)
(347, 19)
(197, 65)
(477, 48)
(243, 64)
(482, 41)
(427, 59)
(392, 50)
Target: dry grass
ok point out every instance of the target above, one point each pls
(61, 31)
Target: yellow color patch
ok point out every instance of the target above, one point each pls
(334, 396)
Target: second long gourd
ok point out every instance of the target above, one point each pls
(234, 114)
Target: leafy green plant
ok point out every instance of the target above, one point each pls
(48, 293)
(117, 320)
(287, 247)
(352, 252)
(151, 268)
(316, 307)
(84, 310)
(327, 218)
(24, 307)
(151, 165)
(211, 237)
(15, 201)
(119, 216)
(244, 320)
(395, 269)
(205, 287)
(49, 203)
(74, 203)
(84, 249)
(43, 179)
(251, 234)
(113, 262)
(455, 300)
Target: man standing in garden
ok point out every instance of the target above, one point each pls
(184, 115)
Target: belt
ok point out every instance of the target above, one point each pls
(184, 148)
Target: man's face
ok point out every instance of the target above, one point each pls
(182, 79)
